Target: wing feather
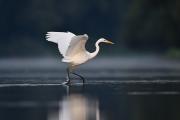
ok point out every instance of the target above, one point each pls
(63, 40)
(77, 45)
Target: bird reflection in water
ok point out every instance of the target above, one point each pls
(77, 107)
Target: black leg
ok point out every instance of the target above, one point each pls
(82, 78)
(67, 82)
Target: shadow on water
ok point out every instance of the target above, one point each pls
(104, 101)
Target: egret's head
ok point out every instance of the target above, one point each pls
(105, 41)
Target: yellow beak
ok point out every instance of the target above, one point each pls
(109, 42)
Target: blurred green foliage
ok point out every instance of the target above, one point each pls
(134, 25)
(153, 24)
(174, 53)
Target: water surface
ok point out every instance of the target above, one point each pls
(126, 89)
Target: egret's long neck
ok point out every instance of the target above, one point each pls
(93, 54)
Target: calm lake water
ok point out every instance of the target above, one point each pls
(132, 101)
(125, 89)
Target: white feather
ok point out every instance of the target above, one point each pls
(77, 45)
(76, 52)
(63, 40)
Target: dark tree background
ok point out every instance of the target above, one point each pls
(134, 25)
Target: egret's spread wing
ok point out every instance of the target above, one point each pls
(63, 40)
(77, 45)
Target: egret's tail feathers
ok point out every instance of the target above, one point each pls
(66, 60)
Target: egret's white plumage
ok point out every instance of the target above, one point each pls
(72, 47)
(63, 40)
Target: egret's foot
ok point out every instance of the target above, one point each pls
(67, 82)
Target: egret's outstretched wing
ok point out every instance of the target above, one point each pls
(63, 40)
(77, 45)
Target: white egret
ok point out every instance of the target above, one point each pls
(72, 48)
